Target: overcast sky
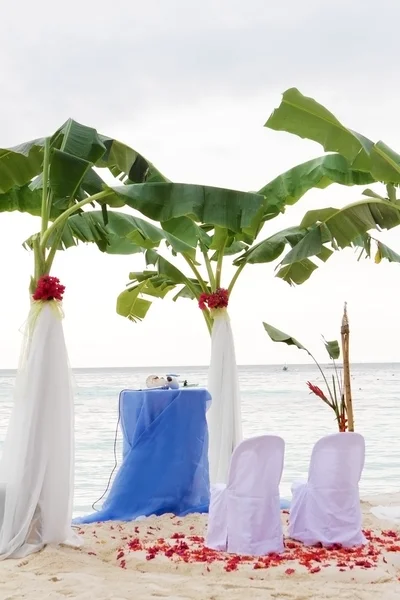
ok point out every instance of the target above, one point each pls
(190, 85)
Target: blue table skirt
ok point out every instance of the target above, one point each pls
(165, 456)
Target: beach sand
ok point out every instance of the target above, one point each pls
(164, 558)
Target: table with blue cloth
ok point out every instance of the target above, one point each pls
(165, 456)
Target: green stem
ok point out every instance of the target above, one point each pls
(206, 313)
(39, 263)
(218, 271)
(197, 274)
(323, 375)
(235, 277)
(60, 221)
(209, 269)
(208, 320)
(44, 213)
(53, 250)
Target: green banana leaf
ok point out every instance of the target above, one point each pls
(308, 119)
(132, 305)
(75, 150)
(342, 226)
(289, 187)
(123, 234)
(279, 336)
(271, 248)
(332, 347)
(157, 284)
(162, 202)
(382, 250)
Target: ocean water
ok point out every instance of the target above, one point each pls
(273, 401)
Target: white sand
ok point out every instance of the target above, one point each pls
(98, 571)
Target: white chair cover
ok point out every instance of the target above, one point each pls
(327, 508)
(244, 516)
(37, 468)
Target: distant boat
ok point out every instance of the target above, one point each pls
(285, 368)
(186, 384)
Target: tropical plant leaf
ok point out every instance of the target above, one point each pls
(308, 119)
(123, 234)
(298, 272)
(151, 257)
(131, 305)
(272, 247)
(288, 188)
(382, 250)
(155, 283)
(185, 292)
(24, 199)
(18, 165)
(310, 245)
(332, 348)
(188, 231)
(234, 248)
(371, 194)
(79, 140)
(230, 209)
(66, 175)
(279, 336)
(127, 164)
(343, 225)
(75, 149)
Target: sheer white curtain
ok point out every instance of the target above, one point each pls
(224, 416)
(37, 468)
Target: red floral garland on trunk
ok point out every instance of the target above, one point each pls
(214, 300)
(49, 288)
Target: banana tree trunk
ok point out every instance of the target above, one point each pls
(36, 470)
(224, 415)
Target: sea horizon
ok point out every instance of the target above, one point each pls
(206, 366)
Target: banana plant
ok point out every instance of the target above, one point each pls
(335, 228)
(223, 231)
(56, 178)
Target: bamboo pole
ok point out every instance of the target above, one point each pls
(345, 331)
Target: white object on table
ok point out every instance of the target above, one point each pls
(326, 509)
(153, 381)
(244, 516)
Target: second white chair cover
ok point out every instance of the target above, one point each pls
(327, 508)
(244, 516)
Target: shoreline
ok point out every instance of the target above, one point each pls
(163, 557)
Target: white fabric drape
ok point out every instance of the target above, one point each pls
(36, 468)
(224, 416)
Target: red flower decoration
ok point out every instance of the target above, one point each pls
(217, 299)
(181, 548)
(49, 288)
(317, 391)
